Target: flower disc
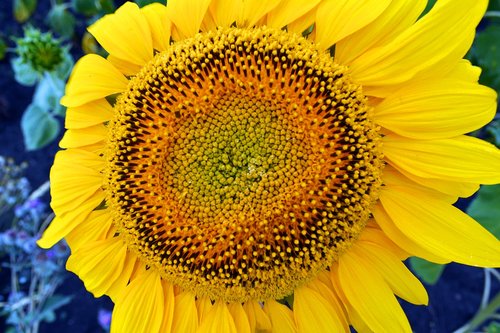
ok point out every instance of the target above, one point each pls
(241, 163)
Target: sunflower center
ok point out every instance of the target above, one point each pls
(241, 163)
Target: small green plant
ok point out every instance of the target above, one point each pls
(44, 62)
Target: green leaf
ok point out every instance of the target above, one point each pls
(39, 127)
(86, 7)
(429, 272)
(23, 9)
(3, 48)
(24, 73)
(486, 53)
(142, 3)
(61, 21)
(486, 208)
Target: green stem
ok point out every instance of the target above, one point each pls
(484, 314)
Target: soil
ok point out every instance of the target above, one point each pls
(453, 300)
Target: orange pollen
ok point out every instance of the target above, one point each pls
(241, 163)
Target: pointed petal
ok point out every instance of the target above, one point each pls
(186, 16)
(299, 25)
(81, 137)
(254, 10)
(118, 289)
(442, 36)
(185, 313)
(65, 223)
(258, 319)
(225, 12)
(95, 228)
(93, 78)
(75, 177)
(440, 228)
(368, 293)
(397, 17)
(313, 313)
(337, 19)
(125, 34)
(157, 16)
(240, 317)
(141, 308)
(90, 114)
(168, 316)
(389, 228)
(289, 11)
(219, 320)
(461, 159)
(402, 282)
(436, 110)
(98, 264)
(281, 317)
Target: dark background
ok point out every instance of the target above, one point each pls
(453, 301)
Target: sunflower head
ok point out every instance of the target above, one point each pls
(228, 155)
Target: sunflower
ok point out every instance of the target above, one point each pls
(266, 166)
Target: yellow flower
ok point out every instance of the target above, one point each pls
(265, 166)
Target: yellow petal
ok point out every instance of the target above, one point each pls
(73, 183)
(240, 317)
(281, 317)
(398, 16)
(168, 316)
(313, 313)
(93, 78)
(463, 158)
(125, 67)
(125, 34)
(186, 16)
(441, 36)
(373, 235)
(324, 287)
(65, 223)
(157, 16)
(185, 313)
(254, 10)
(354, 318)
(218, 320)
(440, 228)
(257, 318)
(302, 23)
(402, 282)
(436, 110)
(225, 12)
(457, 189)
(203, 305)
(98, 264)
(337, 19)
(81, 137)
(464, 71)
(95, 228)
(119, 287)
(368, 293)
(141, 308)
(289, 11)
(90, 114)
(389, 228)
